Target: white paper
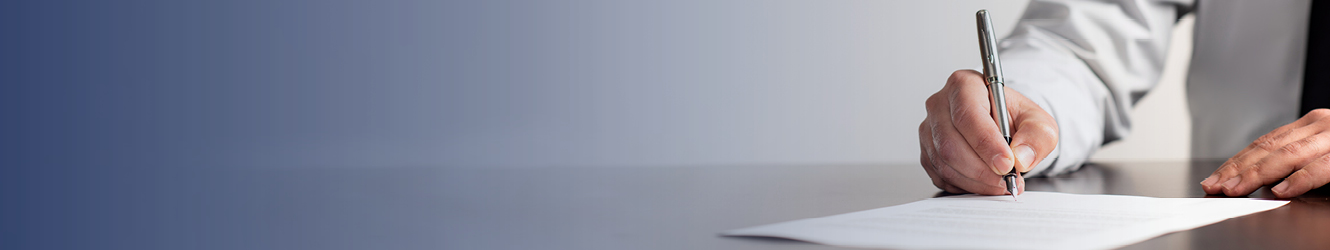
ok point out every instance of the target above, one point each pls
(1040, 220)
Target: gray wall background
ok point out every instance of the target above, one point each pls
(300, 83)
(610, 83)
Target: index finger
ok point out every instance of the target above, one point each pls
(972, 116)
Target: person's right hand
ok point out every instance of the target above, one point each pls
(961, 147)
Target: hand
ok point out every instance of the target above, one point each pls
(961, 147)
(1297, 153)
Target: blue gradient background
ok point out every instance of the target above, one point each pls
(124, 122)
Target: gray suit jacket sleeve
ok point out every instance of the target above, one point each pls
(1087, 63)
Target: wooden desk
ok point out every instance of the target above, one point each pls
(546, 208)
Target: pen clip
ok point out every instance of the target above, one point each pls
(988, 48)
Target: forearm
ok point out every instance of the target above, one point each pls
(1087, 63)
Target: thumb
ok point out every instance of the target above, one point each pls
(1035, 133)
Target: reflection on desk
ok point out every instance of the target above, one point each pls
(119, 207)
(1299, 225)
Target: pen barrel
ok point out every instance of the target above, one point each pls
(998, 99)
(993, 73)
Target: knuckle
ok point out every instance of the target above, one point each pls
(1281, 136)
(934, 100)
(954, 189)
(944, 154)
(1252, 168)
(1265, 143)
(1317, 113)
(958, 76)
(1232, 163)
(1255, 167)
(927, 157)
(937, 166)
(1263, 139)
(1293, 148)
(1321, 117)
(1304, 146)
(937, 162)
(1230, 171)
(932, 175)
(955, 76)
(937, 182)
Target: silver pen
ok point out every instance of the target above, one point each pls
(993, 78)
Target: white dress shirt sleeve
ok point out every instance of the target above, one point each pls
(1087, 63)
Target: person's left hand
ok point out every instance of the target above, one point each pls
(1297, 153)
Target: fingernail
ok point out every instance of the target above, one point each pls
(1232, 182)
(1279, 189)
(1209, 181)
(1024, 156)
(999, 162)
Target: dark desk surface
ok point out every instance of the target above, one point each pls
(549, 208)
